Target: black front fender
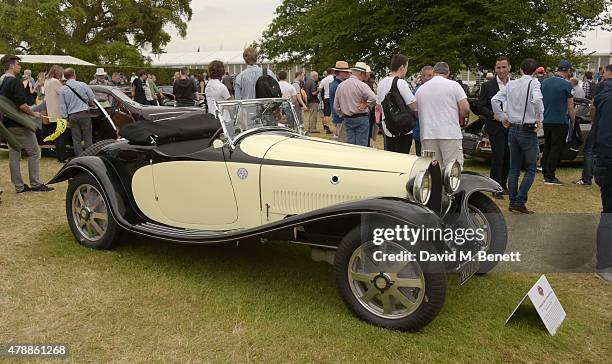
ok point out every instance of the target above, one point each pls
(470, 183)
(331, 224)
(106, 177)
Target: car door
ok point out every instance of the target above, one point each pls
(195, 192)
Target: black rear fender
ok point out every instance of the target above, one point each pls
(106, 177)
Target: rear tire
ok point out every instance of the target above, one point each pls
(405, 297)
(89, 215)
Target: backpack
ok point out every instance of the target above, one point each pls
(399, 119)
(267, 87)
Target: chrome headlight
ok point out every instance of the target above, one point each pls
(419, 187)
(452, 177)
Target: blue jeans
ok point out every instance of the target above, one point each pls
(357, 130)
(524, 151)
(587, 168)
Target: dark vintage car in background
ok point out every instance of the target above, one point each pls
(166, 91)
(476, 143)
(113, 110)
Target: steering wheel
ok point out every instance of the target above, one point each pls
(215, 136)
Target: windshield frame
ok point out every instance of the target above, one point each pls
(233, 140)
(119, 94)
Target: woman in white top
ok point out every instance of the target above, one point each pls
(52, 87)
(215, 89)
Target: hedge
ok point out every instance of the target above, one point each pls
(164, 76)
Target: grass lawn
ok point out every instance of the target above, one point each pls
(151, 301)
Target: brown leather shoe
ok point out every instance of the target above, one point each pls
(520, 209)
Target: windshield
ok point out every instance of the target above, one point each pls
(239, 116)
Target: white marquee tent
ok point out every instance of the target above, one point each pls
(52, 59)
(233, 61)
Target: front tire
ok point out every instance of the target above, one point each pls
(89, 215)
(487, 215)
(403, 296)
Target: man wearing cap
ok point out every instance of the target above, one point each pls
(498, 135)
(353, 101)
(100, 78)
(558, 104)
(341, 73)
(540, 74)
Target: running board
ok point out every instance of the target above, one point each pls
(164, 231)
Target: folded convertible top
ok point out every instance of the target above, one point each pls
(193, 125)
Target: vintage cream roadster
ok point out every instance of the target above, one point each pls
(250, 173)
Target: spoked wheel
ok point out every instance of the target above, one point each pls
(399, 295)
(386, 290)
(487, 216)
(88, 213)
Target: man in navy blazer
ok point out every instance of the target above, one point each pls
(498, 134)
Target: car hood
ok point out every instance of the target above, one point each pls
(315, 152)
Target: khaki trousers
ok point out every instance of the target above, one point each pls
(447, 151)
(313, 111)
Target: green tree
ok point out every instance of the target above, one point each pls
(464, 33)
(99, 31)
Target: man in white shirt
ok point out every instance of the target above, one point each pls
(523, 114)
(577, 91)
(215, 89)
(297, 85)
(324, 92)
(399, 64)
(287, 90)
(442, 103)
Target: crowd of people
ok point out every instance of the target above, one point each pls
(513, 110)
(352, 103)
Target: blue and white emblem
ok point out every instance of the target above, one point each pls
(242, 173)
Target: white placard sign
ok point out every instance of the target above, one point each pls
(546, 304)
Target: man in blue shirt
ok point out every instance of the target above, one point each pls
(426, 75)
(558, 104)
(75, 98)
(521, 114)
(603, 172)
(341, 73)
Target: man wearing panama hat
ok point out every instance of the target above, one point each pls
(341, 73)
(100, 78)
(353, 101)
